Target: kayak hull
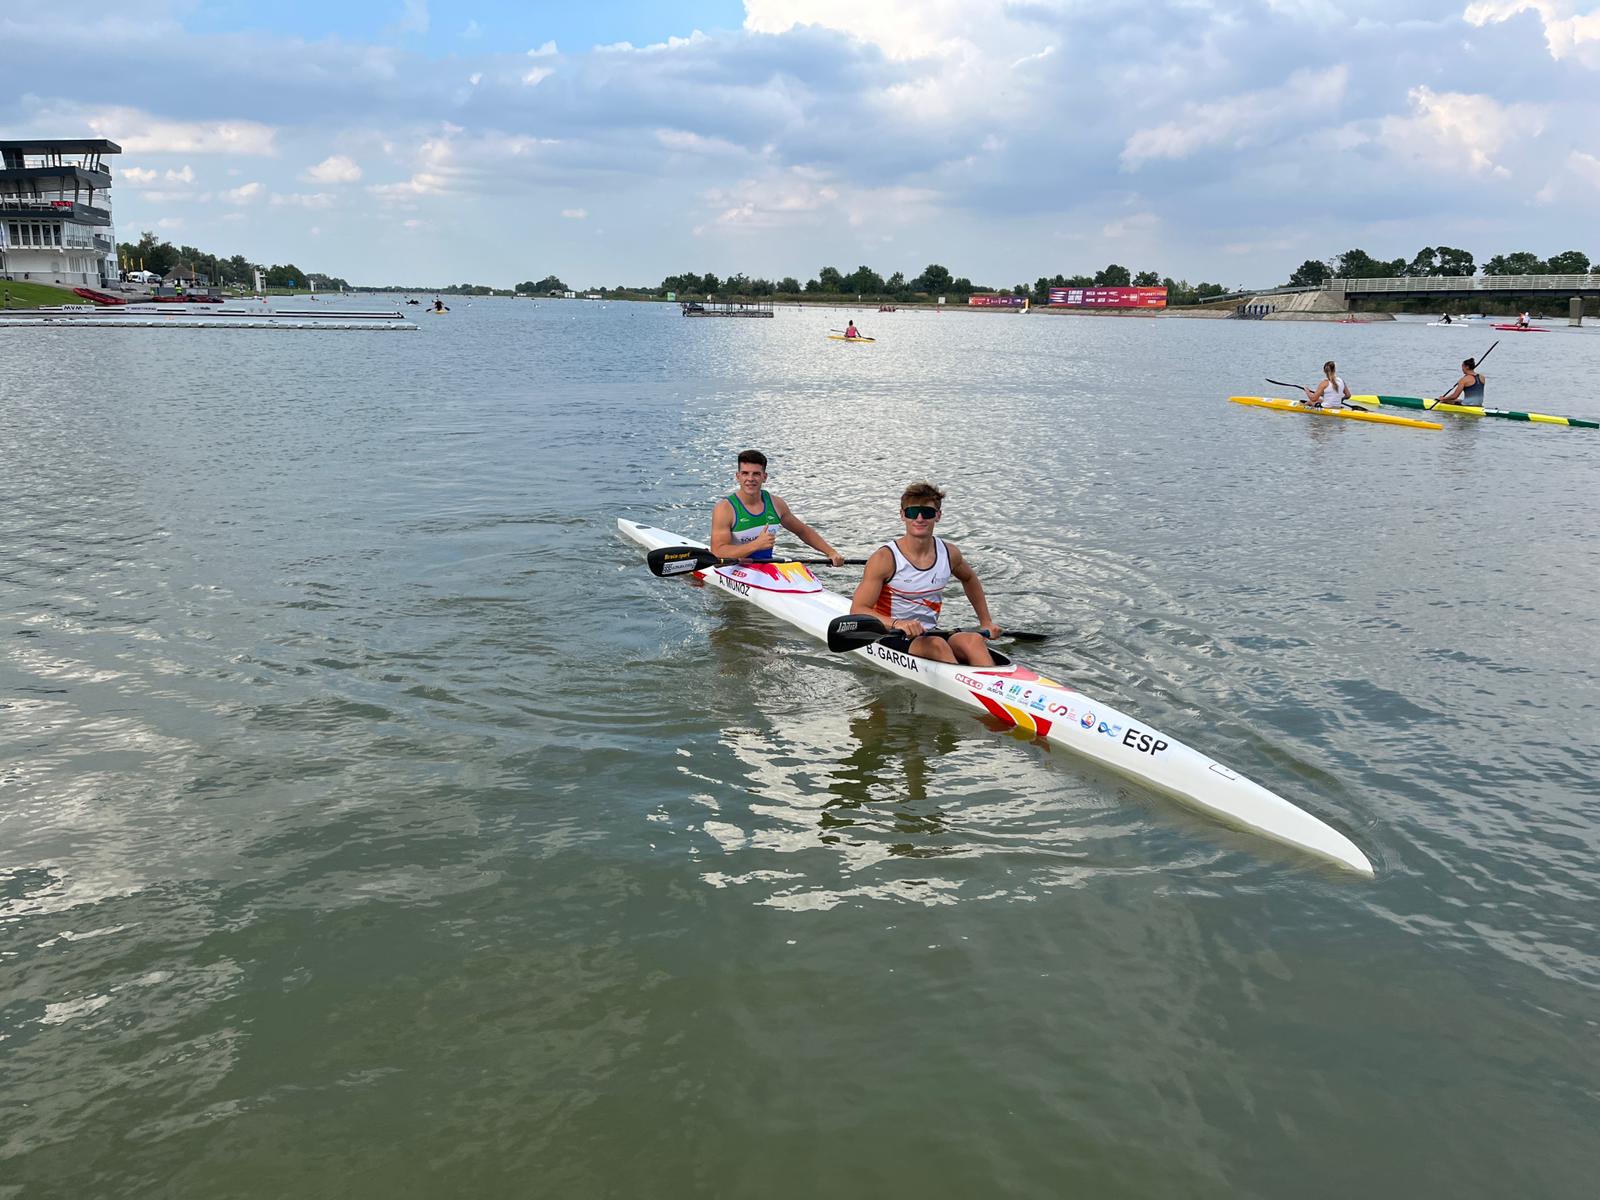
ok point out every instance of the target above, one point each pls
(1519, 329)
(1471, 410)
(1344, 414)
(1048, 710)
(839, 337)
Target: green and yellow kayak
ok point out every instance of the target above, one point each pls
(1346, 414)
(1470, 410)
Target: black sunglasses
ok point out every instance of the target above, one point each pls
(926, 511)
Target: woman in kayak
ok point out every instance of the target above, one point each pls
(1468, 389)
(850, 330)
(1332, 392)
(904, 583)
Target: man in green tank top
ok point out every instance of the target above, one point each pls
(744, 524)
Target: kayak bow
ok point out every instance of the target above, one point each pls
(1050, 711)
(1471, 410)
(1344, 413)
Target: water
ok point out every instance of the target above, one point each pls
(373, 824)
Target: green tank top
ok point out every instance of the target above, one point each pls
(747, 526)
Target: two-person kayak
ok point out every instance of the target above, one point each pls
(1470, 410)
(1346, 414)
(1048, 710)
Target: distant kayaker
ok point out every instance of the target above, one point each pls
(850, 330)
(744, 523)
(438, 305)
(1445, 320)
(1332, 392)
(1469, 388)
(1524, 321)
(903, 586)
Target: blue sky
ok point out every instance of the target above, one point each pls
(428, 142)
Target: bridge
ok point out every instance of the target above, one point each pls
(1336, 294)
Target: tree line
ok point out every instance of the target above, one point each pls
(936, 280)
(1432, 262)
(151, 253)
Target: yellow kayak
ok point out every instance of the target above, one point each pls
(1346, 414)
(839, 337)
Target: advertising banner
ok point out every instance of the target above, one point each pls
(1108, 297)
(993, 301)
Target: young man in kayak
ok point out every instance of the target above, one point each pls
(1469, 388)
(903, 586)
(744, 523)
(1332, 392)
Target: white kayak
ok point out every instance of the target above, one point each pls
(1043, 707)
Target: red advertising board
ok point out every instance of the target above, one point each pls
(1108, 297)
(994, 301)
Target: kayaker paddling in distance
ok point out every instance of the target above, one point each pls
(850, 330)
(1332, 392)
(1468, 389)
(903, 586)
(744, 523)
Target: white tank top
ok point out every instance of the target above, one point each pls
(1333, 394)
(914, 594)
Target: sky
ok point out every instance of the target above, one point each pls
(620, 141)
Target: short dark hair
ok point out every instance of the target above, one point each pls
(753, 456)
(922, 493)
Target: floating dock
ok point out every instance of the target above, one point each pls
(171, 316)
(755, 308)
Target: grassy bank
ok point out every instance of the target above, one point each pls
(34, 295)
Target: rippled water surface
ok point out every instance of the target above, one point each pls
(373, 824)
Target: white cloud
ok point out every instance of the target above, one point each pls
(1237, 120)
(247, 193)
(548, 50)
(139, 132)
(575, 214)
(475, 78)
(902, 29)
(684, 141)
(413, 17)
(303, 199)
(1138, 223)
(185, 175)
(472, 30)
(536, 75)
(1567, 32)
(336, 168)
(1452, 129)
(170, 223)
(136, 176)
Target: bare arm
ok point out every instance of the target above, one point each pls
(962, 570)
(1455, 391)
(722, 543)
(880, 569)
(805, 533)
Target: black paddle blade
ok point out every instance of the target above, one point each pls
(1024, 635)
(666, 561)
(853, 632)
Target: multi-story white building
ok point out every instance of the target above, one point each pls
(55, 212)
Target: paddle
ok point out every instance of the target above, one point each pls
(1428, 406)
(855, 631)
(1281, 383)
(681, 560)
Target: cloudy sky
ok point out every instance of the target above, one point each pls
(618, 141)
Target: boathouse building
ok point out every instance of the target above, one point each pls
(55, 212)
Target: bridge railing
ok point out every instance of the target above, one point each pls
(1476, 283)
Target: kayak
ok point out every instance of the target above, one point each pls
(1471, 410)
(839, 337)
(1461, 324)
(1050, 711)
(1342, 413)
(1519, 329)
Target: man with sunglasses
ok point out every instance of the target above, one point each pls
(903, 586)
(744, 523)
